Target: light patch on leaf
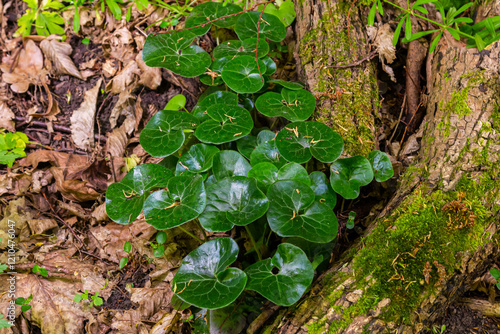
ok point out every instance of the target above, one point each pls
(82, 120)
(59, 54)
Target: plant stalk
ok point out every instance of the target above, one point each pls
(190, 234)
(257, 250)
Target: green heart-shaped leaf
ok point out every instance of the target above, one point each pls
(198, 159)
(230, 49)
(294, 171)
(264, 136)
(323, 190)
(382, 166)
(173, 51)
(213, 77)
(220, 97)
(125, 199)
(209, 11)
(184, 200)
(284, 278)
(227, 123)
(271, 27)
(176, 103)
(270, 65)
(267, 152)
(246, 145)
(316, 253)
(242, 74)
(228, 164)
(286, 12)
(299, 140)
(265, 173)
(293, 212)
(164, 133)
(203, 280)
(348, 175)
(233, 200)
(292, 85)
(294, 105)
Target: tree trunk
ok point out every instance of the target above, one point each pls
(438, 232)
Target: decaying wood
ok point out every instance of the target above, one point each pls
(485, 307)
(453, 139)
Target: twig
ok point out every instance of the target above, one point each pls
(399, 118)
(359, 62)
(257, 45)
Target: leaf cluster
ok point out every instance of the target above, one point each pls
(12, 146)
(95, 300)
(24, 303)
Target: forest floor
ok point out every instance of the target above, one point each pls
(55, 196)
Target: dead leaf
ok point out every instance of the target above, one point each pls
(381, 37)
(138, 113)
(82, 120)
(119, 45)
(117, 142)
(127, 79)
(109, 67)
(59, 54)
(28, 69)
(73, 190)
(99, 213)
(39, 226)
(6, 117)
(124, 106)
(150, 76)
(70, 163)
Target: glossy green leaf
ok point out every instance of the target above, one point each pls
(173, 51)
(232, 48)
(242, 74)
(183, 200)
(299, 141)
(265, 173)
(294, 171)
(209, 11)
(270, 26)
(159, 251)
(220, 97)
(284, 278)
(264, 136)
(322, 189)
(176, 103)
(178, 304)
(164, 133)
(270, 65)
(348, 175)
(125, 199)
(317, 253)
(294, 105)
(161, 237)
(212, 77)
(231, 319)
(233, 200)
(123, 262)
(246, 145)
(227, 123)
(267, 152)
(228, 164)
(291, 85)
(285, 12)
(204, 280)
(127, 247)
(198, 159)
(382, 166)
(293, 212)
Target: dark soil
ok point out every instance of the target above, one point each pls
(120, 297)
(463, 320)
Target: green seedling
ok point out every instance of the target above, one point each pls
(24, 303)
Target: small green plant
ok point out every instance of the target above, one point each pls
(221, 173)
(127, 247)
(4, 323)
(159, 247)
(42, 271)
(496, 275)
(478, 35)
(44, 16)
(24, 303)
(95, 300)
(12, 146)
(438, 330)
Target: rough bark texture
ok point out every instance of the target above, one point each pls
(439, 230)
(348, 97)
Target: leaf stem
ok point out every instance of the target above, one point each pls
(190, 234)
(197, 221)
(257, 250)
(442, 26)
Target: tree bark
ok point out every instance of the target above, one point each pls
(438, 232)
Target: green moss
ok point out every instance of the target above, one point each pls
(422, 232)
(348, 94)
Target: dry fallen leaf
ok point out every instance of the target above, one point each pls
(127, 79)
(119, 45)
(28, 69)
(6, 117)
(59, 54)
(150, 76)
(124, 106)
(117, 142)
(82, 120)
